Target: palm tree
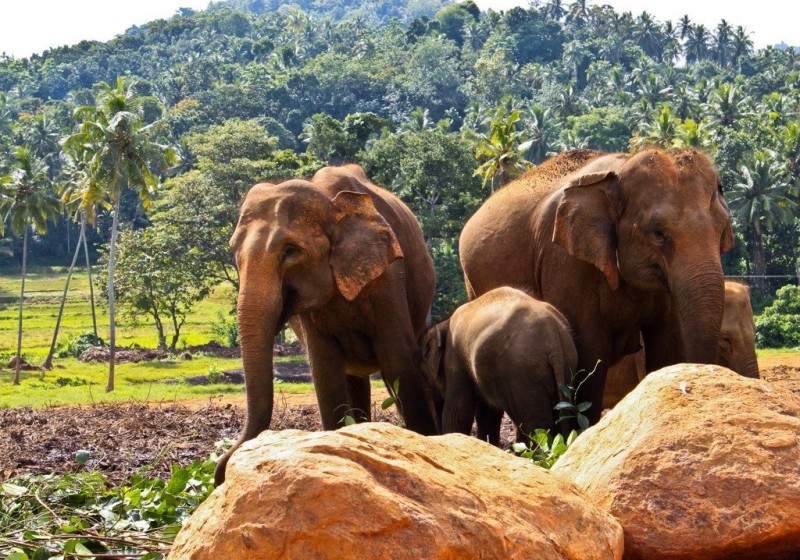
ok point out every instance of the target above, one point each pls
(742, 44)
(723, 43)
(502, 150)
(27, 201)
(727, 105)
(660, 132)
(418, 120)
(120, 152)
(648, 35)
(684, 26)
(578, 12)
(697, 44)
(555, 10)
(760, 201)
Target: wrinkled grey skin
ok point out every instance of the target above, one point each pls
(504, 351)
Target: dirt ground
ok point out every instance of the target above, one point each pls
(125, 438)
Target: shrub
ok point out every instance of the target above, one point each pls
(227, 330)
(779, 325)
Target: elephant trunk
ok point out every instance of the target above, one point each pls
(260, 310)
(699, 298)
(745, 365)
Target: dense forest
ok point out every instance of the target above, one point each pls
(440, 102)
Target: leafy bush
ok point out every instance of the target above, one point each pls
(543, 449)
(84, 514)
(779, 325)
(83, 342)
(227, 330)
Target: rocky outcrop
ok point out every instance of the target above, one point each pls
(378, 491)
(697, 463)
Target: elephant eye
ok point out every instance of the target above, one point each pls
(289, 251)
(659, 236)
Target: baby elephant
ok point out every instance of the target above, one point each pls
(504, 351)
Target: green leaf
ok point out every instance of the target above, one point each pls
(563, 406)
(82, 455)
(584, 406)
(81, 549)
(387, 402)
(13, 489)
(583, 422)
(573, 435)
(348, 420)
(17, 556)
(519, 447)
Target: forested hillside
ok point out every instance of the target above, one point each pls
(440, 102)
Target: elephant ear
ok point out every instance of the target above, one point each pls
(585, 224)
(364, 244)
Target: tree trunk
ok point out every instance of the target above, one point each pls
(48, 363)
(112, 334)
(759, 261)
(89, 273)
(21, 296)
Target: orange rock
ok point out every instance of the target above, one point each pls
(376, 491)
(697, 463)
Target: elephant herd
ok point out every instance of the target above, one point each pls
(586, 257)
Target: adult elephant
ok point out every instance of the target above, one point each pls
(737, 347)
(347, 262)
(620, 244)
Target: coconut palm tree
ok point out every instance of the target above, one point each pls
(27, 202)
(697, 45)
(120, 151)
(760, 201)
(742, 44)
(502, 150)
(723, 43)
(660, 132)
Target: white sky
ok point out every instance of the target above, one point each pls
(769, 21)
(31, 26)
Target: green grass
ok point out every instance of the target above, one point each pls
(74, 382)
(768, 352)
(43, 289)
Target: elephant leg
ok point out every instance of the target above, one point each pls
(591, 346)
(533, 409)
(459, 403)
(398, 357)
(489, 420)
(359, 390)
(330, 383)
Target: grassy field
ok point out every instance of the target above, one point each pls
(73, 382)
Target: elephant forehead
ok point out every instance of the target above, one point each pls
(296, 203)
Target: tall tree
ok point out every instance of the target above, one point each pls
(121, 152)
(760, 201)
(502, 149)
(27, 202)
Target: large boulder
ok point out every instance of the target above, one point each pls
(697, 462)
(377, 491)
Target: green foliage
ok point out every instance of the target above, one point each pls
(227, 330)
(544, 449)
(79, 344)
(779, 325)
(570, 408)
(156, 277)
(82, 513)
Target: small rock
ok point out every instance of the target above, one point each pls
(377, 491)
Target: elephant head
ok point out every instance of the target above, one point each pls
(297, 249)
(737, 337)
(654, 222)
(434, 348)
